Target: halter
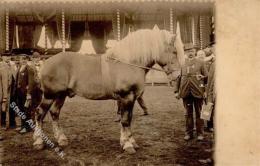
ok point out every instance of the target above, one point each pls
(131, 64)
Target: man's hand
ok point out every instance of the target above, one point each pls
(4, 99)
(28, 101)
(199, 76)
(209, 106)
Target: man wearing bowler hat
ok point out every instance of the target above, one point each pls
(190, 87)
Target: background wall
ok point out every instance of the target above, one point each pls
(238, 83)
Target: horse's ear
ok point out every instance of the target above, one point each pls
(156, 28)
(180, 49)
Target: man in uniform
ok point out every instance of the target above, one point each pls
(190, 87)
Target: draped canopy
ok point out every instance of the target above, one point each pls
(99, 26)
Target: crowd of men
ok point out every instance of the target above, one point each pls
(11, 88)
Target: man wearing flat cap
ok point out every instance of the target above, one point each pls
(190, 87)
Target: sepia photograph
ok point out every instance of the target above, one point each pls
(125, 82)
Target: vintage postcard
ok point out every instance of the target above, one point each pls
(129, 82)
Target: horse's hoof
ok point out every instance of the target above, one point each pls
(130, 150)
(132, 141)
(135, 145)
(38, 146)
(63, 143)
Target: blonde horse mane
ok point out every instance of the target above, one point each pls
(141, 46)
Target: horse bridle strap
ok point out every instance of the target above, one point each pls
(130, 64)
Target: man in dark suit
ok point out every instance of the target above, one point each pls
(29, 93)
(190, 87)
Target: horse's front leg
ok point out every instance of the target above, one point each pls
(55, 112)
(41, 111)
(126, 139)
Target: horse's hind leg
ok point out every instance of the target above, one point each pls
(126, 139)
(41, 111)
(55, 112)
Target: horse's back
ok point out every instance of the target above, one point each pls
(74, 72)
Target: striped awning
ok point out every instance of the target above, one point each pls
(108, 6)
(100, 1)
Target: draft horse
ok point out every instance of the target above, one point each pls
(118, 74)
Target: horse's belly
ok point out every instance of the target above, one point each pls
(93, 91)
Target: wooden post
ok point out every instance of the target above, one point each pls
(17, 36)
(213, 28)
(201, 31)
(45, 38)
(193, 31)
(7, 30)
(171, 20)
(171, 31)
(118, 24)
(63, 30)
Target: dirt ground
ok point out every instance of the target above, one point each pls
(94, 136)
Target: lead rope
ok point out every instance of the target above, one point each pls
(130, 64)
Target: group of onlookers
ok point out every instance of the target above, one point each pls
(12, 77)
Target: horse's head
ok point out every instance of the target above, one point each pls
(146, 47)
(172, 51)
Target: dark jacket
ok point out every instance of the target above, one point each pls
(189, 82)
(4, 81)
(210, 90)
